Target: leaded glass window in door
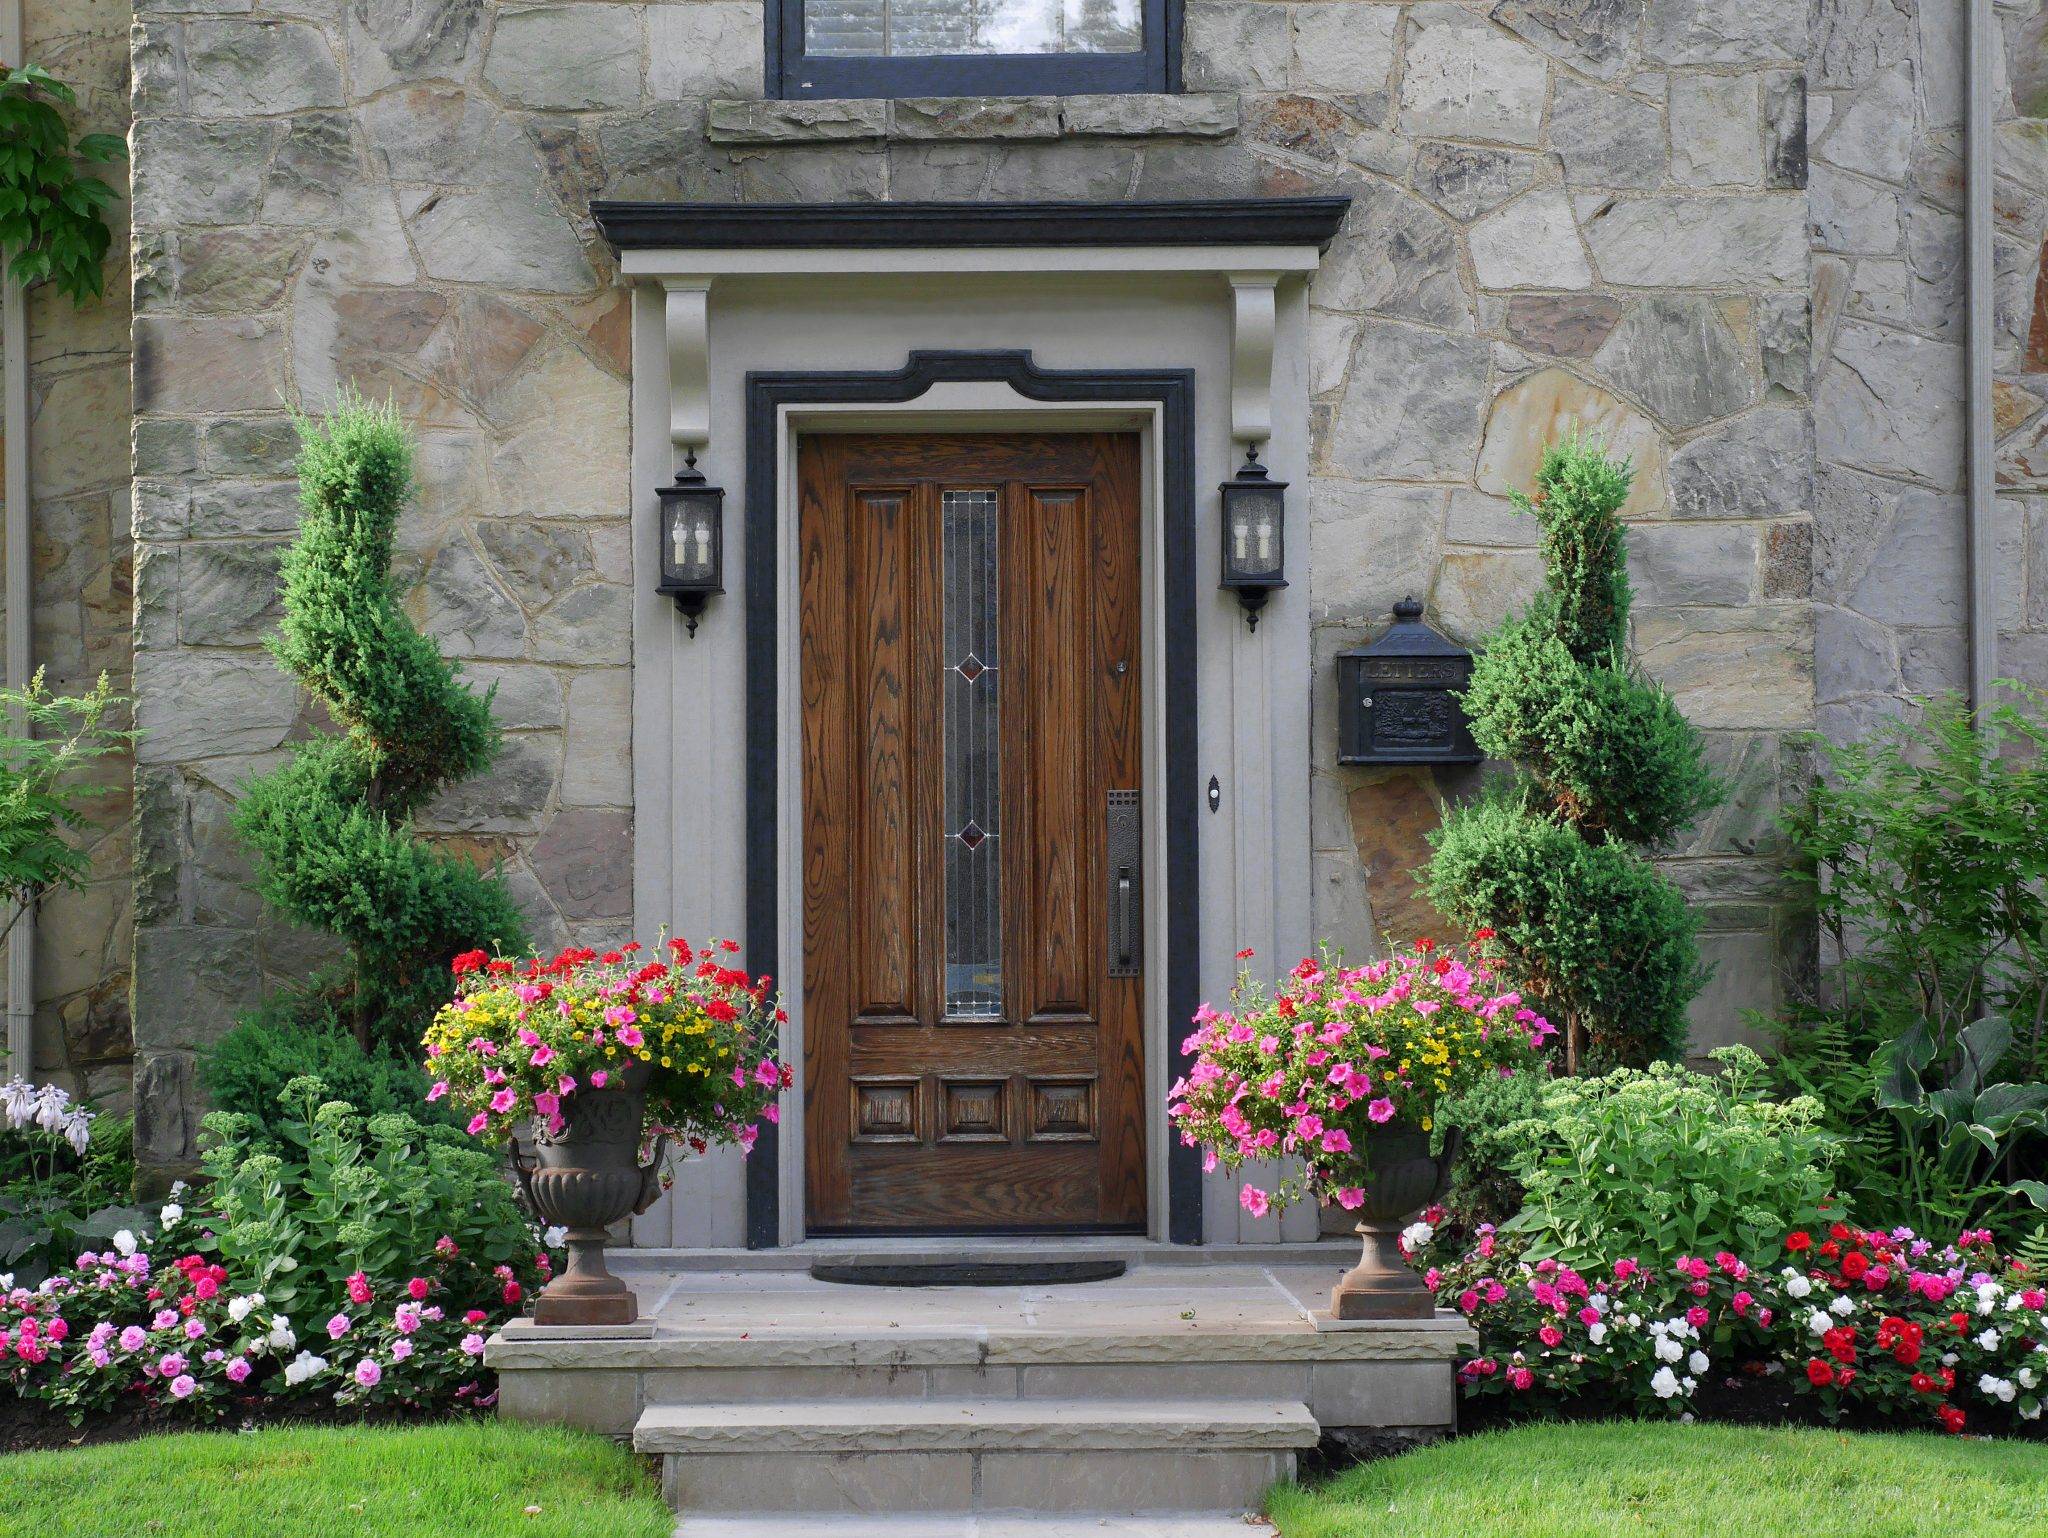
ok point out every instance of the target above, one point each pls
(972, 800)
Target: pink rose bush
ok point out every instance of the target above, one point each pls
(520, 1040)
(1861, 1326)
(1311, 1069)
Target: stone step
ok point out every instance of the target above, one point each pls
(1045, 1456)
(971, 1524)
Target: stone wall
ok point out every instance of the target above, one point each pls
(78, 492)
(1890, 582)
(1567, 212)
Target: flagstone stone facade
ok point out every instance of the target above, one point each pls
(1724, 234)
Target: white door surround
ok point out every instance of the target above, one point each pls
(710, 324)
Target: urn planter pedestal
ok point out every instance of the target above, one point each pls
(1404, 1178)
(585, 1178)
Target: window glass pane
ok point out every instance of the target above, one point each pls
(973, 794)
(924, 28)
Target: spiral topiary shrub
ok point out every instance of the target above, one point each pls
(332, 829)
(1606, 766)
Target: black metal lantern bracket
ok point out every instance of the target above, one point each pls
(1254, 535)
(692, 534)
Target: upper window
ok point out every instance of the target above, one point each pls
(828, 48)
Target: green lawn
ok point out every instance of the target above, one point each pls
(1590, 1481)
(471, 1479)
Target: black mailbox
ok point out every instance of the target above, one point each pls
(1395, 703)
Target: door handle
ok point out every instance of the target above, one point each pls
(1123, 862)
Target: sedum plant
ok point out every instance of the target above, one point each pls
(1606, 767)
(1663, 1162)
(332, 828)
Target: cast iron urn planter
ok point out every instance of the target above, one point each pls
(1405, 1178)
(585, 1178)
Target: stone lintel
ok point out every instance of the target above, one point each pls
(1200, 115)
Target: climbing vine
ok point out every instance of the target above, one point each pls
(52, 215)
(332, 828)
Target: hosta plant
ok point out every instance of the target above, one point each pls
(520, 1041)
(1312, 1068)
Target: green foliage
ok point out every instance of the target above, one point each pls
(1663, 1162)
(1592, 930)
(1925, 854)
(332, 828)
(52, 217)
(309, 1032)
(317, 1191)
(41, 796)
(1604, 761)
(1483, 1187)
(55, 1197)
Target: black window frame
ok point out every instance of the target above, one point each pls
(793, 76)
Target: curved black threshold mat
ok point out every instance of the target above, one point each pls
(912, 1273)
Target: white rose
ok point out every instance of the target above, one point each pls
(238, 1308)
(281, 1336)
(1416, 1235)
(1949, 1359)
(1843, 1305)
(1665, 1384)
(304, 1366)
(2026, 1376)
(1596, 1332)
(553, 1237)
(1988, 1340)
(2030, 1412)
(124, 1241)
(171, 1215)
(1635, 1321)
(1797, 1286)
(1668, 1350)
(1697, 1362)
(1819, 1322)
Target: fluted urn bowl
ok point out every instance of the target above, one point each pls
(585, 1178)
(1402, 1178)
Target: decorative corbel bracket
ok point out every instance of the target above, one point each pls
(689, 361)
(1251, 355)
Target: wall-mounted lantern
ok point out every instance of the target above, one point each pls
(1395, 699)
(1254, 522)
(692, 540)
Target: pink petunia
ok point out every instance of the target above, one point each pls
(440, 1088)
(1254, 1201)
(1381, 1110)
(1351, 1198)
(504, 1100)
(478, 1122)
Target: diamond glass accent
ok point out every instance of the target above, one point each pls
(927, 28)
(973, 789)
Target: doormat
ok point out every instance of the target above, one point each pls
(1061, 1273)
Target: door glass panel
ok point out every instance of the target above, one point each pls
(973, 789)
(925, 28)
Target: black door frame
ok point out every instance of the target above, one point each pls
(1172, 390)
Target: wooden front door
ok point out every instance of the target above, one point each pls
(972, 941)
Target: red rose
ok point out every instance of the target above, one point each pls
(1951, 1419)
(1854, 1264)
(1959, 1322)
(1906, 1352)
(1820, 1374)
(1922, 1384)
(1797, 1240)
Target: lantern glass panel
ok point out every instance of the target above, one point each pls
(690, 555)
(1253, 531)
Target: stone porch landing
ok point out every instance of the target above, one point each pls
(1187, 1385)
